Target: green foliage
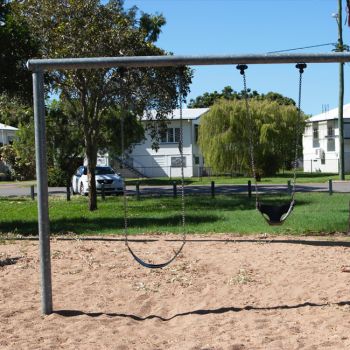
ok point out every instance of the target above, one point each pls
(13, 112)
(56, 177)
(208, 99)
(64, 139)
(20, 168)
(88, 28)
(226, 133)
(16, 46)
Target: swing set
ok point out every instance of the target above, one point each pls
(274, 215)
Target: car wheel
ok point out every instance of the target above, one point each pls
(81, 189)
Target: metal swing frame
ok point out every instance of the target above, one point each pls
(39, 66)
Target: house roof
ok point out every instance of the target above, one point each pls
(187, 113)
(332, 114)
(7, 127)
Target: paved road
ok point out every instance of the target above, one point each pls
(15, 189)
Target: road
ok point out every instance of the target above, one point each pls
(17, 189)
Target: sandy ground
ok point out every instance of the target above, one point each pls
(222, 292)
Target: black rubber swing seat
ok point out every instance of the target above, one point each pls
(275, 214)
(155, 266)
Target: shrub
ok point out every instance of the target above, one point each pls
(56, 177)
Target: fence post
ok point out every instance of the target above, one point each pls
(212, 189)
(249, 189)
(32, 194)
(289, 187)
(138, 190)
(330, 187)
(68, 193)
(103, 192)
(349, 220)
(174, 189)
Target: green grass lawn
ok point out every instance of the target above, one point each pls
(315, 213)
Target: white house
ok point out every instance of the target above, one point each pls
(167, 160)
(7, 134)
(321, 142)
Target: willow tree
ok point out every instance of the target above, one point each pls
(90, 28)
(226, 132)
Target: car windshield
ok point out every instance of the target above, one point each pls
(105, 170)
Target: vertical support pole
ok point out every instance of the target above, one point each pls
(349, 220)
(212, 189)
(340, 48)
(68, 193)
(43, 201)
(103, 195)
(174, 189)
(330, 187)
(32, 194)
(138, 190)
(249, 189)
(289, 187)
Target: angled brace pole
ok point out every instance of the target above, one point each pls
(43, 206)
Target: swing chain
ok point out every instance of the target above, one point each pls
(242, 68)
(122, 72)
(301, 67)
(183, 211)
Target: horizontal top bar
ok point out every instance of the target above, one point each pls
(166, 61)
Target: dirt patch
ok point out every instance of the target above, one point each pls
(222, 292)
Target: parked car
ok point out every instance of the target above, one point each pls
(105, 176)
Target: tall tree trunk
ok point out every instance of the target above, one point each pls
(91, 155)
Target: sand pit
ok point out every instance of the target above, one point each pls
(222, 292)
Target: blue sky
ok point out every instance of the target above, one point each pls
(219, 27)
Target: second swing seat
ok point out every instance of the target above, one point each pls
(275, 214)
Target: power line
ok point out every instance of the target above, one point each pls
(302, 48)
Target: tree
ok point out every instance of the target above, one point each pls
(20, 156)
(16, 47)
(13, 111)
(64, 142)
(225, 134)
(87, 28)
(208, 99)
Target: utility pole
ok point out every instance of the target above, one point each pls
(340, 48)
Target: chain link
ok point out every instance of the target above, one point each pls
(125, 200)
(301, 67)
(183, 211)
(242, 69)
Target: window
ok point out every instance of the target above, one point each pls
(196, 133)
(171, 135)
(10, 140)
(176, 162)
(330, 130)
(331, 145)
(315, 131)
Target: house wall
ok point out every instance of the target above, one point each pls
(321, 154)
(162, 163)
(6, 136)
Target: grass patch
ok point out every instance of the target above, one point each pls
(315, 213)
